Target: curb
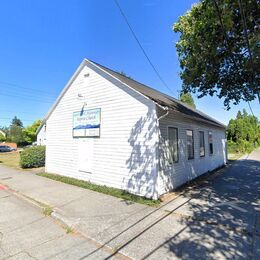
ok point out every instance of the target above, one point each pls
(64, 222)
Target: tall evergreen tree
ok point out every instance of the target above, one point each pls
(16, 121)
(15, 131)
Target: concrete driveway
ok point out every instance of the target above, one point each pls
(217, 219)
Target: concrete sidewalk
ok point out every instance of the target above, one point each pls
(26, 234)
(191, 225)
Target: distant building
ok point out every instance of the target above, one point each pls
(41, 135)
(111, 130)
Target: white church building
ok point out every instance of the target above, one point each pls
(112, 130)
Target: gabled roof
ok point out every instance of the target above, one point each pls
(156, 96)
(160, 98)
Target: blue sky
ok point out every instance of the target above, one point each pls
(43, 42)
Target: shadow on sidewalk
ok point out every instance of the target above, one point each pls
(223, 227)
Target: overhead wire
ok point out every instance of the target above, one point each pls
(23, 94)
(140, 45)
(9, 118)
(26, 88)
(226, 39)
(30, 99)
(243, 17)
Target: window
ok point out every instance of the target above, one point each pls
(210, 143)
(190, 144)
(173, 144)
(202, 144)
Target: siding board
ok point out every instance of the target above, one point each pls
(132, 151)
(125, 154)
(172, 176)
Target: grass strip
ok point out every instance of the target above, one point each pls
(102, 189)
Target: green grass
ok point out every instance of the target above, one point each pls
(234, 156)
(11, 159)
(47, 211)
(102, 189)
(69, 229)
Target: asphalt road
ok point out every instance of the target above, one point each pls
(217, 219)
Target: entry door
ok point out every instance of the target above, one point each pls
(85, 157)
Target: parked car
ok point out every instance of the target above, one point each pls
(6, 148)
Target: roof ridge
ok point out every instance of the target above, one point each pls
(159, 92)
(160, 98)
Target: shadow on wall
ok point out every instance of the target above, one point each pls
(173, 174)
(142, 178)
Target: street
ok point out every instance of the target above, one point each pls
(216, 219)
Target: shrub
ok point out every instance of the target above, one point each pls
(232, 147)
(241, 146)
(33, 157)
(245, 146)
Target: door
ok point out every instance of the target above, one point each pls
(85, 156)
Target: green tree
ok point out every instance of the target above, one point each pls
(2, 137)
(187, 99)
(243, 132)
(16, 121)
(29, 133)
(218, 49)
(15, 131)
(124, 74)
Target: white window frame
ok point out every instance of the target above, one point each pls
(204, 147)
(172, 158)
(210, 153)
(190, 158)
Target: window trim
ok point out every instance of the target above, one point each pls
(190, 158)
(210, 131)
(174, 127)
(204, 146)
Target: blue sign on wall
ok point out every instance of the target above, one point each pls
(86, 123)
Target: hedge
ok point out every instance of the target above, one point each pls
(33, 157)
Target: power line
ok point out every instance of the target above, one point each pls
(247, 43)
(226, 40)
(9, 118)
(140, 45)
(25, 92)
(34, 100)
(15, 111)
(27, 95)
(250, 108)
(19, 86)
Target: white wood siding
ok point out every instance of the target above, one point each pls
(125, 155)
(172, 176)
(41, 136)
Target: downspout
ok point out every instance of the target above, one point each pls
(158, 155)
(163, 116)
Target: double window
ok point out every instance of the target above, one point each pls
(210, 142)
(202, 144)
(173, 144)
(190, 144)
